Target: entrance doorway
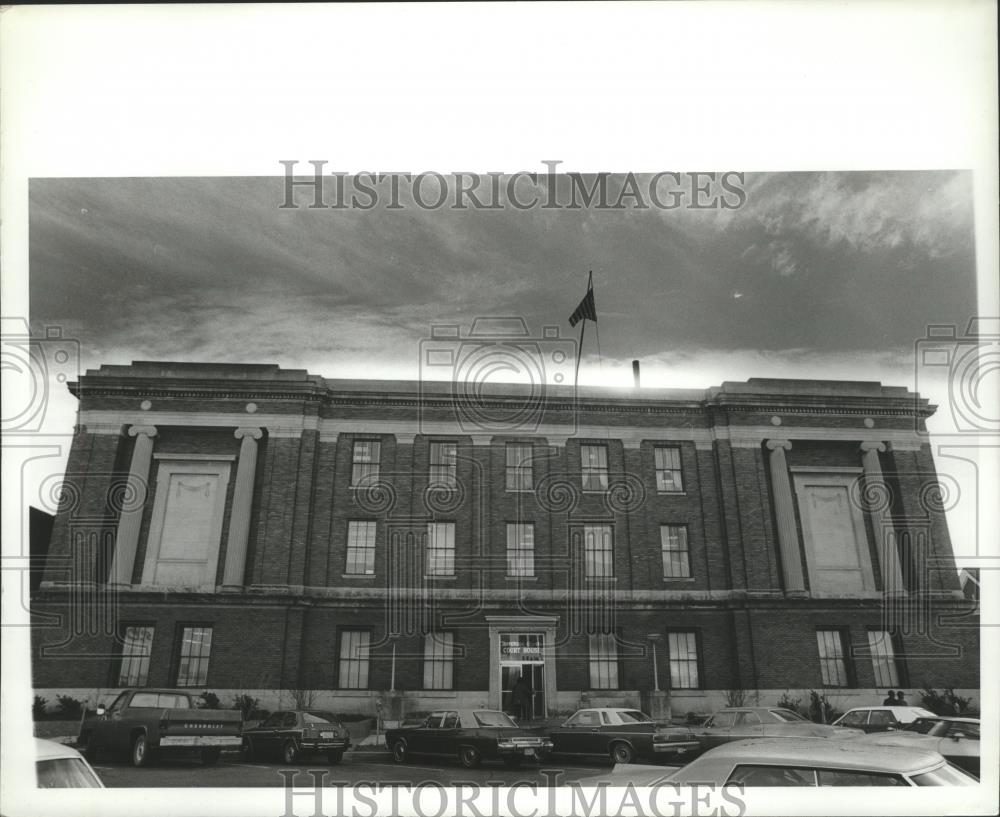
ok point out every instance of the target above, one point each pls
(522, 675)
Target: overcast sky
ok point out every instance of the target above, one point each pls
(814, 270)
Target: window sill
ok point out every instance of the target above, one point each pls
(598, 579)
(358, 576)
(441, 576)
(671, 493)
(522, 578)
(674, 579)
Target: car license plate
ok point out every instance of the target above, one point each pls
(529, 752)
(326, 734)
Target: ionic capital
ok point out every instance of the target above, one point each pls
(252, 433)
(784, 445)
(145, 431)
(872, 445)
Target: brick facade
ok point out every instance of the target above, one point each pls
(282, 631)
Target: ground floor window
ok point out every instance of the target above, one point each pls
(683, 651)
(832, 663)
(195, 650)
(137, 644)
(603, 662)
(439, 660)
(354, 646)
(884, 662)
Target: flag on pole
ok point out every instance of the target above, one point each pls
(586, 309)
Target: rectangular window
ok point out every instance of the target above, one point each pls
(441, 549)
(668, 469)
(594, 467)
(830, 644)
(883, 658)
(598, 552)
(354, 659)
(137, 643)
(520, 549)
(519, 469)
(674, 546)
(439, 660)
(683, 651)
(360, 548)
(365, 462)
(603, 662)
(195, 649)
(444, 464)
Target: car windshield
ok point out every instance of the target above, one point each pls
(633, 716)
(945, 775)
(786, 715)
(925, 726)
(66, 773)
(487, 718)
(318, 717)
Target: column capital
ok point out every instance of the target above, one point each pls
(145, 431)
(253, 433)
(872, 445)
(784, 445)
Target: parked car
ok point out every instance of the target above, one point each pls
(294, 733)
(621, 735)
(62, 767)
(881, 718)
(799, 762)
(742, 723)
(143, 722)
(955, 739)
(471, 735)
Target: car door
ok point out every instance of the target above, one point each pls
(104, 728)
(422, 739)
(881, 720)
(445, 738)
(747, 724)
(571, 737)
(961, 746)
(858, 719)
(265, 736)
(717, 730)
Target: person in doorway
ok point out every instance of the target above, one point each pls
(520, 698)
(900, 700)
(890, 698)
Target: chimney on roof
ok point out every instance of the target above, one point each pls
(635, 372)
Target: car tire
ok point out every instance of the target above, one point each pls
(247, 749)
(141, 751)
(622, 753)
(289, 752)
(399, 751)
(335, 757)
(469, 757)
(513, 761)
(209, 757)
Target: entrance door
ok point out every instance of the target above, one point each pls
(522, 675)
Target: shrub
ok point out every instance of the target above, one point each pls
(742, 697)
(247, 705)
(209, 700)
(820, 709)
(69, 708)
(946, 702)
(786, 701)
(38, 708)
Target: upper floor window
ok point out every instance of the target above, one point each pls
(884, 662)
(598, 552)
(594, 467)
(441, 549)
(519, 469)
(195, 650)
(365, 462)
(832, 664)
(354, 648)
(674, 547)
(444, 464)
(361, 547)
(520, 549)
(668, 469)
(137, 644)
(603, 661)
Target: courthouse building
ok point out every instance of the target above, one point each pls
(247, 528)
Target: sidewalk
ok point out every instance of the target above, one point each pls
(372, 746)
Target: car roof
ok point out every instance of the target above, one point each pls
(754, 709)
(827, 753)
(157, 690)
(467, 715)
(53, 750)
(919, 711)
(609, 709)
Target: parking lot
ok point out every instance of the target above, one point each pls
(356, 767)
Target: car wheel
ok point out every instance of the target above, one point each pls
(335, 757)
(513, 761)
(399, 751)
(289, 752)
(469, 757)
(140, 751)
(209, 757)
(622, 753)
(248, 750)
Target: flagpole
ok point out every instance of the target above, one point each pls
(579, 354)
